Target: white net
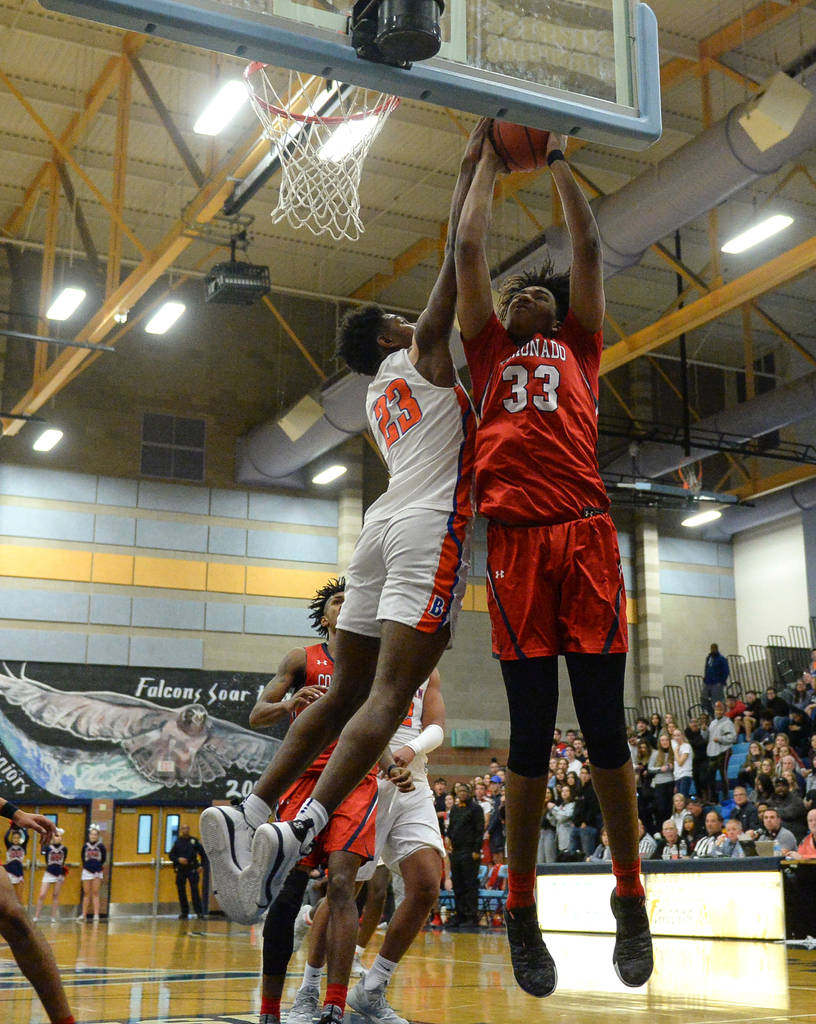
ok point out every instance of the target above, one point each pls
(691, 477)
(321, 132)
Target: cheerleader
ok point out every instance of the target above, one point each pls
(93, 858)
(55, 854)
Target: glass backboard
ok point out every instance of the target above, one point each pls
(586, 67)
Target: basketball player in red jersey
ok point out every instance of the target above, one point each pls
(304, 676)
(554, 578)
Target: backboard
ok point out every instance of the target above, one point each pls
(586, 67)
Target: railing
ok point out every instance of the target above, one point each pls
(760, 670)
(813, 631)
(675, 701)
(651, 705)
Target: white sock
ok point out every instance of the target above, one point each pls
(311, 977)
(315, 813)
(359, 950)
(380, 974)
(256, 811)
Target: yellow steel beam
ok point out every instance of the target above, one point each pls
(67, 158)
(773, 483)
(412, 256)
(98, 93)
(715, 304)
(289, 330)
(49, 259)
(120, 155)
(748, 26)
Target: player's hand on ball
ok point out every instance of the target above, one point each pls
(402, 779)
(557, 141)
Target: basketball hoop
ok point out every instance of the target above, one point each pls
(321, 132)
(691, 477)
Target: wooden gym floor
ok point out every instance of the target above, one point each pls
(138, 969)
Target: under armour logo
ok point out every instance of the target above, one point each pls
(321, 662)
(499, 574)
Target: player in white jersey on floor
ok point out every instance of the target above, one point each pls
(404, 585)
(408, 840)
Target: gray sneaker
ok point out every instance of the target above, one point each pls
(372, 1005)
(305, 1007)
(227, 837)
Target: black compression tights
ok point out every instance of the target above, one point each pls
(596, 681)
(279, 928)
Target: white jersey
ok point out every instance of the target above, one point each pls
(426, 435)
(409, 729)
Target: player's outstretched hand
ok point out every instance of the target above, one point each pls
(475, 142)
(37, 823)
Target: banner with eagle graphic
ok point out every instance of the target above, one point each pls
(75, 732)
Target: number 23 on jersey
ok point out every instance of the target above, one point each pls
(397, 411)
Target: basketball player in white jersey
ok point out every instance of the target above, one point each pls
(408, 840)
(404, 585)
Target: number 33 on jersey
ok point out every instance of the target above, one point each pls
(426, 435)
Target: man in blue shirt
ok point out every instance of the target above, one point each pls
(715, 675)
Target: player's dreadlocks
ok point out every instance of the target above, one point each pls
(544, 277)
(357, 338)
(317, 607)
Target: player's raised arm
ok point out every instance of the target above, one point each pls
(474, 300)
(586, 276)
(272, 705)
(436, 321)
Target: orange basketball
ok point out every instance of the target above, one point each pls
(521, 148)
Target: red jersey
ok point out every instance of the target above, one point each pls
(536, 458)
(319, 672)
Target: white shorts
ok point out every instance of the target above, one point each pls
(411, 569)
(49, 879)
(89, 876)
(14, 879)
(406, 822)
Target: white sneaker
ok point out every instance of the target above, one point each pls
(357, 968)
(275, 851)
(227, 837)
(303, 922)
(372, 1005)
(96, 918)
(305, 1007)
(79, 917)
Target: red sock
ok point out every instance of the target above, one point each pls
(271, 1006)
(70, 1019)
(520, 889)
(627, 877)
(336, 996)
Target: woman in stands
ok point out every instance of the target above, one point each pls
(800, 729)
(689, 834)
(750, 766)
(661, 769)
(562, 816)
(645, 796)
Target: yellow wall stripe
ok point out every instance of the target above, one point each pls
(112, 568)
(45, 563)
(172, 573)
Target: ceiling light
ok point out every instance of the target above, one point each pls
(325, 476)
(346, 138)
(164, 318)
(758, 233)
(47, 440)
(701, 517)
(66, 303)
(222, 108)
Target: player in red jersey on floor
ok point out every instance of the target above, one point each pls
(554, 577)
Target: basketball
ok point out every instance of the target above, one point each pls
(521, 148)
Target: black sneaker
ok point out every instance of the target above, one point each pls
(331, 1014)
(533, 967)
(632, 957)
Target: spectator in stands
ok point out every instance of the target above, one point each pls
(707, 846)
(680, 810)
(777, 707)
(440, 789)
(772, 828)
(744, 811)
(655, 727)
(750, 766)
(728, 844)
(799, 732)
(810, 760)
(587, 817)
(688, 833)
(643, 732)
(790, 807)
(557, 742)
(807, 848)
(645, 796)
(632, 740)
(671, 846)
(682, 761)
(715, 676)
(580, 750)
(573, 764)
(766, 732)
(753, 710)
(574, 784)
(547, 844)
(697, 811)
(496, 833)
(698, 741)
(562, 816)
(602, 851)
(788, 765)
(802, 695)
(763, 789)
(646, 843)
(735, 709)
(669, 723)
(661, 769)
(721, 737)
(482, 799)
(445, 820)
(464, 841)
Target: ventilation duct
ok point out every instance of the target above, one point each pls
(772, 411)
(693, 180)
(787, 502)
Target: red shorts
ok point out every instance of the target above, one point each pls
(555, 589)
(350, 828)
